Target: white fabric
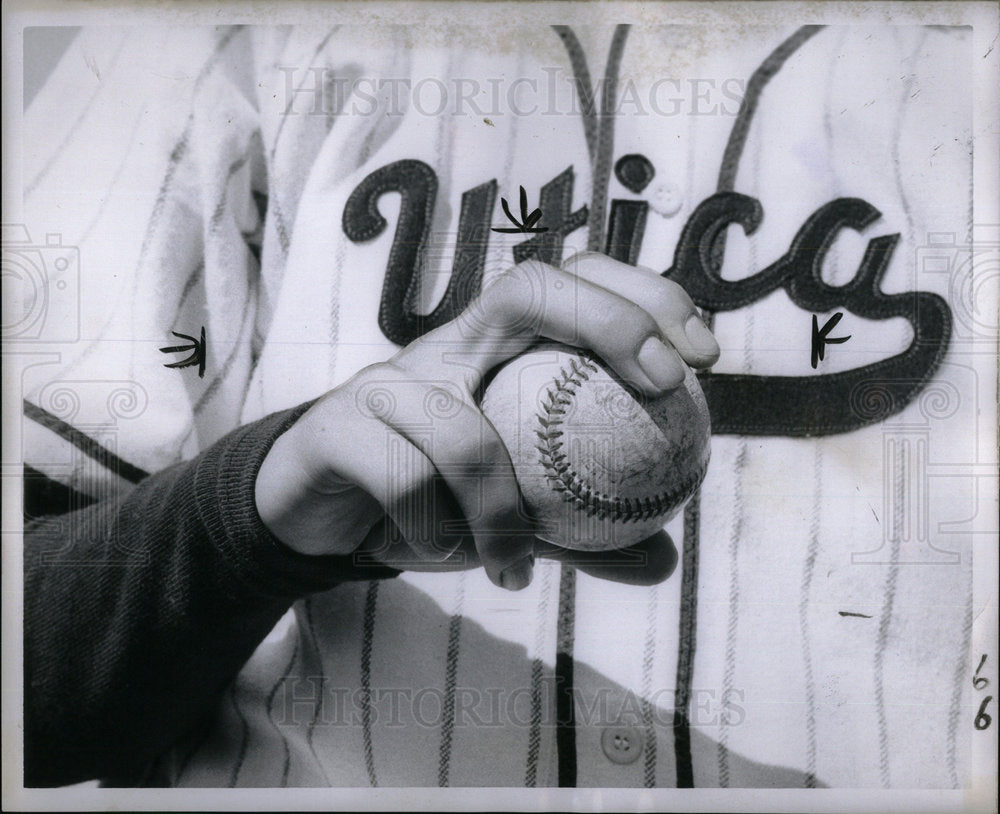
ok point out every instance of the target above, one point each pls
(169, 126)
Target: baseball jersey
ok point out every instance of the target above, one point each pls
(316, 198)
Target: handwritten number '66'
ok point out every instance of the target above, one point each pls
(982, 720)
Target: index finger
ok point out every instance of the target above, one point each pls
(667, 302)
(534, 300)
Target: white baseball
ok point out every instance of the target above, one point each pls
(599, 465)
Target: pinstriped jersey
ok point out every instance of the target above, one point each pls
(817, 630)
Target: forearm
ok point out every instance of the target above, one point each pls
(140, 611)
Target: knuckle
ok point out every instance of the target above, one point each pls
(668, 298)
(512, 301)
(626, 320)
(378, 373)
(500, 296)
(442, 401)
(673, 296)
(375, 391)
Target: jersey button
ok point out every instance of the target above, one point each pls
(622, 744)
(667, 199)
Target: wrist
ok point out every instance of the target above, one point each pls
(304, 504)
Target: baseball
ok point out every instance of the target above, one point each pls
(600, 465)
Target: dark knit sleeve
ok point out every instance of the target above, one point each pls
(139, 612)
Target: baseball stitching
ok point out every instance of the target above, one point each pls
(568, 481)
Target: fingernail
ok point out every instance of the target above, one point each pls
(517, 576)
(661, 364)
(700, 337)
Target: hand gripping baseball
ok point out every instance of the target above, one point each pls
(399, 462)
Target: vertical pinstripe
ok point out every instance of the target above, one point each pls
(274, 206)
(340, 255)
(280, 223)
(901, 463)
(584, 86)
(955, 708)
(732, 624)
(598, 126)
(901, 455)
(367, 634)
(687, 630)
(339, 259)
(298, 88)
(500, 258)
(838, 48)
(739, 507)
(687, 610)
(965, 641)
(401, 50)
(751, 98)
(808, 571)
(565, 711)
(897, 127)
(603, 158)
(649, 652)
(687, 606)
(535, 727)
(450, 673)
(443, 154)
